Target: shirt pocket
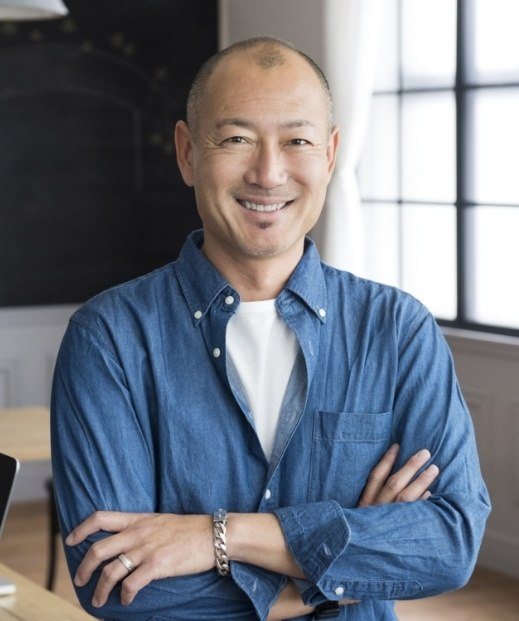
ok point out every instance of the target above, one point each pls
(345, 448)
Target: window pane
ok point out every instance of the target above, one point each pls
(494, 117)
(381, 239)
(429, 256)
(428, 42)
(494, 45)
(493, 261)
(378, 168)
(387, 64)
(429, 148)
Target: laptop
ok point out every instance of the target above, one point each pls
(8, 470)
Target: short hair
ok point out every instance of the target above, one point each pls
(270, 54)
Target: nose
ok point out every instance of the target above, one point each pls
(266, 168)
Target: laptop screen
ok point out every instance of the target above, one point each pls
(8, 471)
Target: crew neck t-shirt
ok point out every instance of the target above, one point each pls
(263, 350)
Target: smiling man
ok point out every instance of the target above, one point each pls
(248, 433)
(260, 153)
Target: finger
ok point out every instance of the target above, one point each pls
(141, 577)
(378, 476)
(420, 486)
(426, 495)
(398, 481)
(112, 574)
(102, 551)
(109, 521)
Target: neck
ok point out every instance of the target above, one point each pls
(256, 278)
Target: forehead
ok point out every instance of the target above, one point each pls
(240, 86)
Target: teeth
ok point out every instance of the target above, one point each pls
(262, 208)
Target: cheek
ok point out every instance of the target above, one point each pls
(217, 170)
(310, 170)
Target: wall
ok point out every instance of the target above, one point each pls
(297, 21)
(29, 342)
(488, 370)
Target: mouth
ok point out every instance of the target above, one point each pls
(262, 207)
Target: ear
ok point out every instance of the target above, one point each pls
(184, 151)
(332, 149)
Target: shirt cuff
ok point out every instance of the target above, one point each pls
(261, 586)
(316, 535)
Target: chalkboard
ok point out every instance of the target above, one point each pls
(90, 194)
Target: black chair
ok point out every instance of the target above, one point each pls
(54, 537)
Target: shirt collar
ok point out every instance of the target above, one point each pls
(201, 282)
(307, 281)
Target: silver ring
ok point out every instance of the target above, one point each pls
(126, 562)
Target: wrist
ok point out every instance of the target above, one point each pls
(289, 604)
(257, 539)
(251, 534)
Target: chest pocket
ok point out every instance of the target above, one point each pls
(345, 447)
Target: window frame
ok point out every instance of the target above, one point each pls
(462, 89)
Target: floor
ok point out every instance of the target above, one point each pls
(489, 596)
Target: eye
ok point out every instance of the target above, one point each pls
(299, 142)
(235, 140)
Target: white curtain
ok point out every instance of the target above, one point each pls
(352, 30)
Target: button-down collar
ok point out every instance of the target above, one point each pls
(202, 283)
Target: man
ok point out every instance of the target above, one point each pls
(248, 376)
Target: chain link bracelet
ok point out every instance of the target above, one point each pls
(220, 542)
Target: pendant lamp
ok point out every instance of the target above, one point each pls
(16, 10)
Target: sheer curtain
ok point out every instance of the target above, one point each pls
(351, 34)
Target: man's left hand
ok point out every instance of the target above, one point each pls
(158, 545)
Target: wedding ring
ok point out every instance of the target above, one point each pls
(126, 562)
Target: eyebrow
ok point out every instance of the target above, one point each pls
(238, 122)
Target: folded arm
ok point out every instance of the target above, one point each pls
(165, 545)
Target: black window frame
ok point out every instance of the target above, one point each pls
(462, 88)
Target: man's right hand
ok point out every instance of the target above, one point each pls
(382, 487)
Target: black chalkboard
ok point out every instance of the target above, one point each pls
(90, 194)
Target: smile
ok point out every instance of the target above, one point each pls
(263, 208)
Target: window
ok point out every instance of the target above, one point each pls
(439, 174)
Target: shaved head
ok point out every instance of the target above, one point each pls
(265, 52)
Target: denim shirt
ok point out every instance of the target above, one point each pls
(149, 416)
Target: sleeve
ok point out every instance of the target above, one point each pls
(403, 550)
(103, 459)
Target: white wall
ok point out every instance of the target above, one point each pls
(29, 342)
(488, 370)
(299, 22)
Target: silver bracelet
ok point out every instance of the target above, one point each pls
(220, 542)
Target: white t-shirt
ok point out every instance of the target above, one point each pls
(263, 350)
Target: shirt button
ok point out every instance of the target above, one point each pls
(268, 495)
(198, 314)
(229, 300)
(216, 352)
(322, 313)
(339, 590)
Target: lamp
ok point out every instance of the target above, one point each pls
(16, 10)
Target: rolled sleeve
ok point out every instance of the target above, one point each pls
(316, 534)
(261, 586)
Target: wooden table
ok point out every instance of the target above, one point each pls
(25, 433)
(33, 603)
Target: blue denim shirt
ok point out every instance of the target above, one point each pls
(148, 415)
